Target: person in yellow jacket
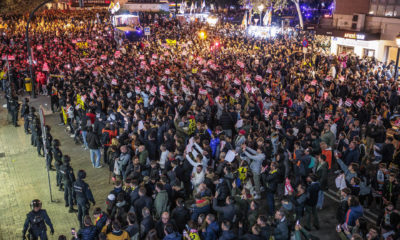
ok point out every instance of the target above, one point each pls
(116, 232)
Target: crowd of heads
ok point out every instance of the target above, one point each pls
(208, 129)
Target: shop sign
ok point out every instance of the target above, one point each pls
(357, 36)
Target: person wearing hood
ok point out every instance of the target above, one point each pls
(117, 233)
(161, 202)
(170, 234)
(120, 209)
(355, 211)
(227, 233)
(212, 229)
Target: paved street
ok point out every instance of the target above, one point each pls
(24, 178)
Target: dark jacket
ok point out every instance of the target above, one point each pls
(146, 225)
(228, 235)
(173, 236)
(228, 211)
(181, 215)
(211, 232)
(93, 141)
(270, 180)
(387, 152)
(313, 190)
(87, 233)
(353, 214)
(351, 156)
(322, 175)
(281, 231)
(341, 211)
(142, 202)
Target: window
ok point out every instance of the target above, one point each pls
(373, 9)
(381, 10)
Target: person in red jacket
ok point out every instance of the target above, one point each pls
(112, 133)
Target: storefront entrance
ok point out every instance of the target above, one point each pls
(344, 49)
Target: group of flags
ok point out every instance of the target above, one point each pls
(193, 6)
(267, 19)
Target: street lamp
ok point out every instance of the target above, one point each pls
(397, 58)
(261, 8)
(202, 35)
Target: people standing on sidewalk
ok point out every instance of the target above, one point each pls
(94, 145)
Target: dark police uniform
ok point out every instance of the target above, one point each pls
(83, 197)
(68, 178)
(14, 105)
(25, 115)
(36, 222)
(34, 129)
(49, 157)
(57, 163)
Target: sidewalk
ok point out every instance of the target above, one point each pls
(24, 178)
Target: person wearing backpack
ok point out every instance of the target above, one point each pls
(107, 134)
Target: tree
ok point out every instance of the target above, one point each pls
(277, 4)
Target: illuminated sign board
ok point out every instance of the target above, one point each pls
(357, 36)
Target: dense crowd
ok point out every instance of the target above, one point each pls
(214, 137)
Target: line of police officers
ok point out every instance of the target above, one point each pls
(76, 191)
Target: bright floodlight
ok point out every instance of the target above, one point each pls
(212, 20)
(202, 35)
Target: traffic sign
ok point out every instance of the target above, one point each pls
(147, 31)
(305, 43)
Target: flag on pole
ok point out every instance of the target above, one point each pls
(265, 20)
(192, 8)
(250, 16)
(203, 5)
(244, 21)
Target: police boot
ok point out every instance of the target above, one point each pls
(72, 210)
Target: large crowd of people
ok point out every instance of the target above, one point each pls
(218, 136)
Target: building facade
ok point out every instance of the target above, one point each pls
(364, 27)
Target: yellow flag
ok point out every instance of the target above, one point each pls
(64, 115)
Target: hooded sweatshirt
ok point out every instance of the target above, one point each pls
(353, 214)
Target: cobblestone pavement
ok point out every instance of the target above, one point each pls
(24, 177)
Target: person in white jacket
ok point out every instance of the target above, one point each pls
(164, 156)
(197, 177)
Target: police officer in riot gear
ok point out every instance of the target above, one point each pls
(68, 178)
(36, 221)
(57, 154)
(83, 196)
(49, 140)
(14, 106)
(25, 113)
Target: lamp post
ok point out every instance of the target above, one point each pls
(28, 46)
(261, 8)
(397, 58)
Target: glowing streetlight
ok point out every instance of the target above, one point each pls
(202, 35)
